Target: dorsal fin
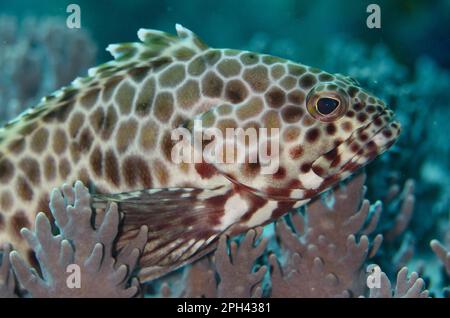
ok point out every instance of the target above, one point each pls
(153, 46)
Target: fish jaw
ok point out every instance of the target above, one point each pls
(364, 145)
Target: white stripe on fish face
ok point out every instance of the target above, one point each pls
(310, 180)
(235, 207)
(262, 214)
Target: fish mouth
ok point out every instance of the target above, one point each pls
(363, 146)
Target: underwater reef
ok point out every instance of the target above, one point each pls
(318, 252)
(395, 214)
(38, 56)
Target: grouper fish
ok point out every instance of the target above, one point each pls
(113, 130)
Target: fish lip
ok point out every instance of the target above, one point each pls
(381, 140)
(383, 131)
(390, 131)
(388, 116)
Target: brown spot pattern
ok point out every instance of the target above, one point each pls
(307, 81)
(64, 168)
(6, 200)
(125, 135)
(145, 98)
(188, 94)
(271, 120)
(212, 85)
(23, 189)
(49, 168)
(136, 172)
(59, 141)
(172, 76)
(39, 140)
(124, 97)
(111, 166)
(257, 77)
(296, 97)
(235, 91)
(6, 170)
(31, 169)
(149, 135)
(197, 66)
(19, 221)
(89, 99)
(229, 67)
(160, 172)
(296, 152)
(97, 118)
(275, 97)
(292, 114)
(109, 123)
(163, 106)
(250, 109)
(110, 87)
(75, 124)
(17, 146)
(312, 135)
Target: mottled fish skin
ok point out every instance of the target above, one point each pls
(112, 131)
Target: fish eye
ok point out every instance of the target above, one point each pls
(326, 105)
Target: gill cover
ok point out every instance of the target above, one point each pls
(250, 154)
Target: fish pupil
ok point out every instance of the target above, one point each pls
(326, 106)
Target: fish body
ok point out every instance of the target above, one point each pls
(113, 131)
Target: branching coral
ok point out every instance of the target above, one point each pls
(7, 279)
(412, 287)
(239, 275)
(398, 209)
(201, 280)
(404, 214)
(421, 153)
(78, 262)
(327, 247)
(237, 278)
(442, 253)
(322, 253)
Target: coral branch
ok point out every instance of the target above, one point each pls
(7, 279)
(442, 253)
(79, 261)
(326, 260)
(412, 287)
(201, 280)
(237, 278)
(406, 210)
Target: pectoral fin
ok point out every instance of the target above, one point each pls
(182, 224)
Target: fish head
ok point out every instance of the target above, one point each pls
(356, 127)
(324, 133)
